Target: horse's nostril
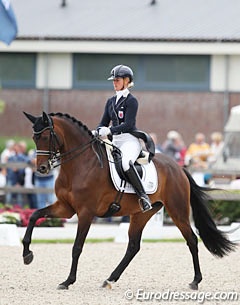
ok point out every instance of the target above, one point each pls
(42, 168)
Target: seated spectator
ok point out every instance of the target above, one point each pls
(198, 152)
(174, 147)
(216, 147)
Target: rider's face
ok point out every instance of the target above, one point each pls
(118, 83)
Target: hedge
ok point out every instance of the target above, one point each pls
(224, 211)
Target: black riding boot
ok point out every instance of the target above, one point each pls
(134, 179)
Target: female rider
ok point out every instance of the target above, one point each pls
(121, 110)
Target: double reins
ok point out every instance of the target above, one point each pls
(56, 158)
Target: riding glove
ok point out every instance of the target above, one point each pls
(103, 131)
(94, 132)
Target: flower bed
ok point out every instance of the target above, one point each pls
(20, 217)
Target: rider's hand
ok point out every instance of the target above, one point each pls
(104, 131)
(94, 132)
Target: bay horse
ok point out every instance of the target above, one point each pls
(84, 187)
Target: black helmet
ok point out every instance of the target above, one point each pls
(121, 71)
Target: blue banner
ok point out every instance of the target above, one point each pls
(8, 23)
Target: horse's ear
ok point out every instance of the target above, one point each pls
(30, 117)
(46, 119)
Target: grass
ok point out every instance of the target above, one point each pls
(101, 240)
(71, 241)
(167, 240)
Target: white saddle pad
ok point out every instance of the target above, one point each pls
(149, 177)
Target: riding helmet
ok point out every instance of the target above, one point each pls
(121, 71)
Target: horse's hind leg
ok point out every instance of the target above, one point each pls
(192, 243)
(177, 204)
(137, 224)
(55, 210)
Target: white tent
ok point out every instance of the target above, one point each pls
(230, 158)
(233, 123)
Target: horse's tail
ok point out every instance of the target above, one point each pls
(214, 240)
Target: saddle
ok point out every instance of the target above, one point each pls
(143, 158)
(145, 167)
(116, 154)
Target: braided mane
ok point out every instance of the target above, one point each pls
(78, 123)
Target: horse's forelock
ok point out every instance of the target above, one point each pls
(40, 124)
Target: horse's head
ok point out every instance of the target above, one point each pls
(46, 140)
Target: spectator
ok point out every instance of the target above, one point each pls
(44, 181)
(29, 180)
(182, 152)
(22, 157)
(15, 176)
(216, 147)
(2, 184)
(198, 152)
(174, 147)
(8, 151)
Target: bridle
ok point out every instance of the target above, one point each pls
(56, 158)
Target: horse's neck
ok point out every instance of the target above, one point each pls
(75, 144)
(77, 147)
(73, 137)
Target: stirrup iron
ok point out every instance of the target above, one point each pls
(144, 204)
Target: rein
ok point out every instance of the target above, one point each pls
(54, 161)
(56, 158)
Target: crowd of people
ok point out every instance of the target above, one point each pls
(199, 155)
(23, 175)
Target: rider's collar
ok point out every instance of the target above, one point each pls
(121, 93)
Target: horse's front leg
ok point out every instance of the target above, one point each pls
(27, 254)
(84, 222)
(55, 210)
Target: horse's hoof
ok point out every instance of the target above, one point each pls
(62, 287)
(107, 284)
(193, 286)
(28, 258)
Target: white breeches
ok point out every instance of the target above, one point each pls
(130, 147)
